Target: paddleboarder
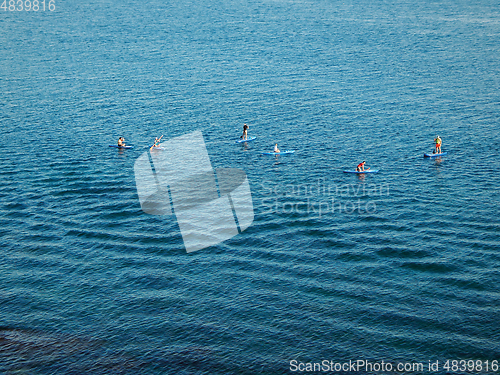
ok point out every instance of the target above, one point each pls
(439, 142)
(361, 167)
(121, 142)
(156, 143)
(245, 129)
(276, 149)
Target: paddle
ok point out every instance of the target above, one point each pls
(156, 141)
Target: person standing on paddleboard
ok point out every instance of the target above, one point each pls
(439, 142)
(361, 167)
(245, 129)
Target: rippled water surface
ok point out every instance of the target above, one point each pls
(400, 266)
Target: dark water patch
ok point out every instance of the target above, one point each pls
(42, 227)
(260, 225)
(154, 239)
(429, 267)
(204, 361)
(484, 246)
(148, 281)
(374, 219)
(310, 229)
(467, 284)
(18, 214)
(383, 241)
(51, 181)
(91, 235)
(49, 247)
(30, 240)
(355, 256)
(190, 359)
(332, 293)
(482, 227)
(118, 213)
(392, 227)
(326, 243)
(402, 252)
(36, 351)
(82, 190)
(15, 206)
(467, 235)
(424, 327)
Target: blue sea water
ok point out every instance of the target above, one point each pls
(400, 266)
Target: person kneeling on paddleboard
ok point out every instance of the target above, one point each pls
(245, 129)
(276, 149)
(156, 142)
(121, 142)
(439, 142)
(361, 167)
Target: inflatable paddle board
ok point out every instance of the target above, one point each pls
(246, 140)
(369, 171)
(434, 155)
(121, 146)
(279, 153)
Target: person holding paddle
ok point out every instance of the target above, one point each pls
(156, 143)
(439, 142)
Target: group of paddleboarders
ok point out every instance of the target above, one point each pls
(360, 167)
(156, 143)
(437, 150)
(245, 136)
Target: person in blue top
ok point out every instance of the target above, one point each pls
(156, 143)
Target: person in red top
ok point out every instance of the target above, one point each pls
(361, 167)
